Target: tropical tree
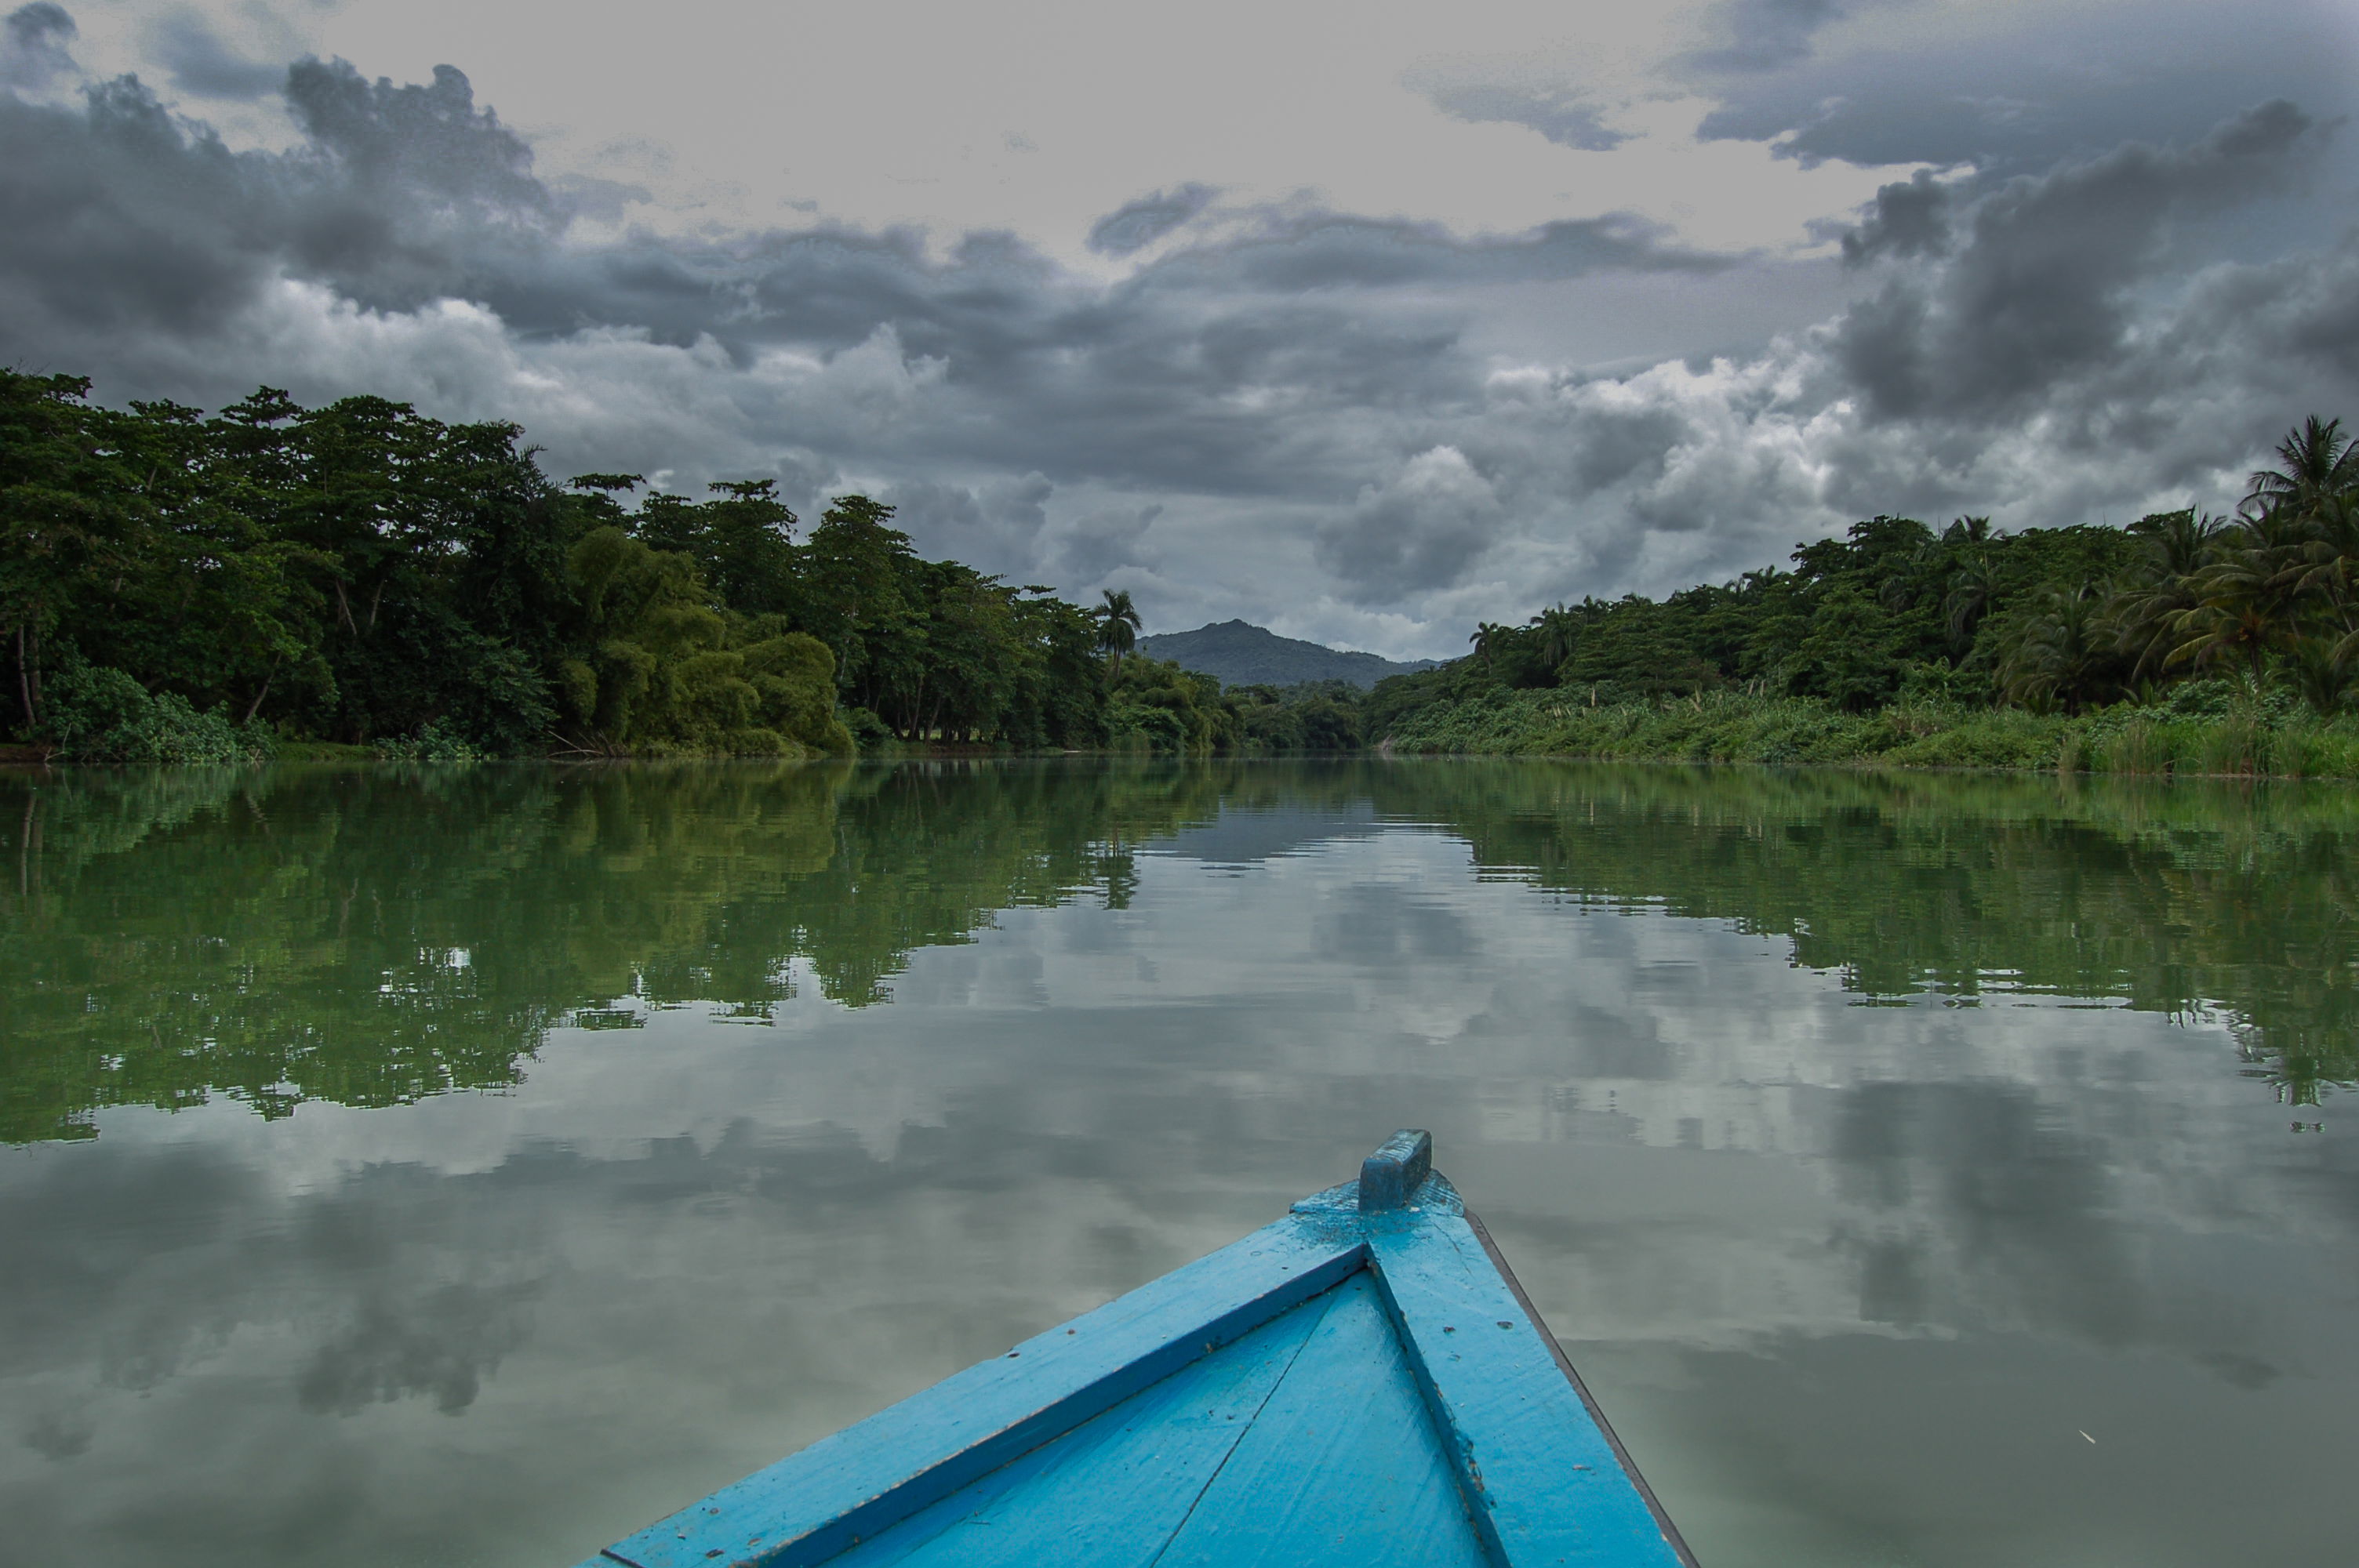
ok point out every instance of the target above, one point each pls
(2143, 615)
(1557, 630)
(2243, 605)
(1118, 626)
(1972, 578)
(2060, 654)
(2315, 461)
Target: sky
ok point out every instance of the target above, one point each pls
(1364, 322)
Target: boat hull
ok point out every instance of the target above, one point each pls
(1347, 1385)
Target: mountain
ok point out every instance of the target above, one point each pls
(1241, 654)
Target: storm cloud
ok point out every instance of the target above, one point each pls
(33, 47)
(2037, 288)
(1349, 424)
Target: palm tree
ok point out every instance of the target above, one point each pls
(1973, 584)
(2244, 601)
(2178, 544)
(2058, 653)
(2314, 463)
(1118, 625)
(1560, 632)
(2316, 670)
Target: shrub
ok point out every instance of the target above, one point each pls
(436, 742)
(100, 715)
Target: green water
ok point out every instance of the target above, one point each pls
(464, 1167)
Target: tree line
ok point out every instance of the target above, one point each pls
(179, 587)
(2059, 620)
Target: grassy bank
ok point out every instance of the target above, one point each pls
(2217, 732)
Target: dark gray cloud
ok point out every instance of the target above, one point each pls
(2072, 85)
(1283, 410)
(1423, 528)
(200, 61)
(1910, 218)
(1561, 116)
(1294, 253)
(33, 49)
(1136, 224)
(2039, 287)
(120, 214)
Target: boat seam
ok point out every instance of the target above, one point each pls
(1246, 1427)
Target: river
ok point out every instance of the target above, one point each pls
(466, 1166)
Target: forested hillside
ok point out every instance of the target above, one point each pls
(1237, 653)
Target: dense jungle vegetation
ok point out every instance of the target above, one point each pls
(2186, 642)
(276, 579)
(374, 937)
(179, 588)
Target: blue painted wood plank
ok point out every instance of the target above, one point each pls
(812, 1505)
(1111, 1492)
(1545, 1484)
(1342, 1468)
(1565, 1369)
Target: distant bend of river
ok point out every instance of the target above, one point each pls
(468, 1165)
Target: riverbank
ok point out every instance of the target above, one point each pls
(2231, 734)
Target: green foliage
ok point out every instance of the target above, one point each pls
(1317, 717)
(663, 675)
(363, 576)
(1161, 709)
(871, 736)
(2068, 623)
(2270, 734)
(1118, 624)
(100, 715)
(438, 742)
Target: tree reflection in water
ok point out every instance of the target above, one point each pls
(374, 936)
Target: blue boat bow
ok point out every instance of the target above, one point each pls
(1362, 1382)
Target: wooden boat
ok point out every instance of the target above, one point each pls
(1362, 1382)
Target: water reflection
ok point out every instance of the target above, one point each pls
(373, 937)
(1785, 1093)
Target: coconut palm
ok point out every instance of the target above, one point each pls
(2319, 562)
(2059, 653)
(2243, 605)
(1558, 631)
(2314, 668)
(1118, 625)
(2178, 546)
(1973, 584)
(2314, 463)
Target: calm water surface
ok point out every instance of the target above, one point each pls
(466, 1167)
